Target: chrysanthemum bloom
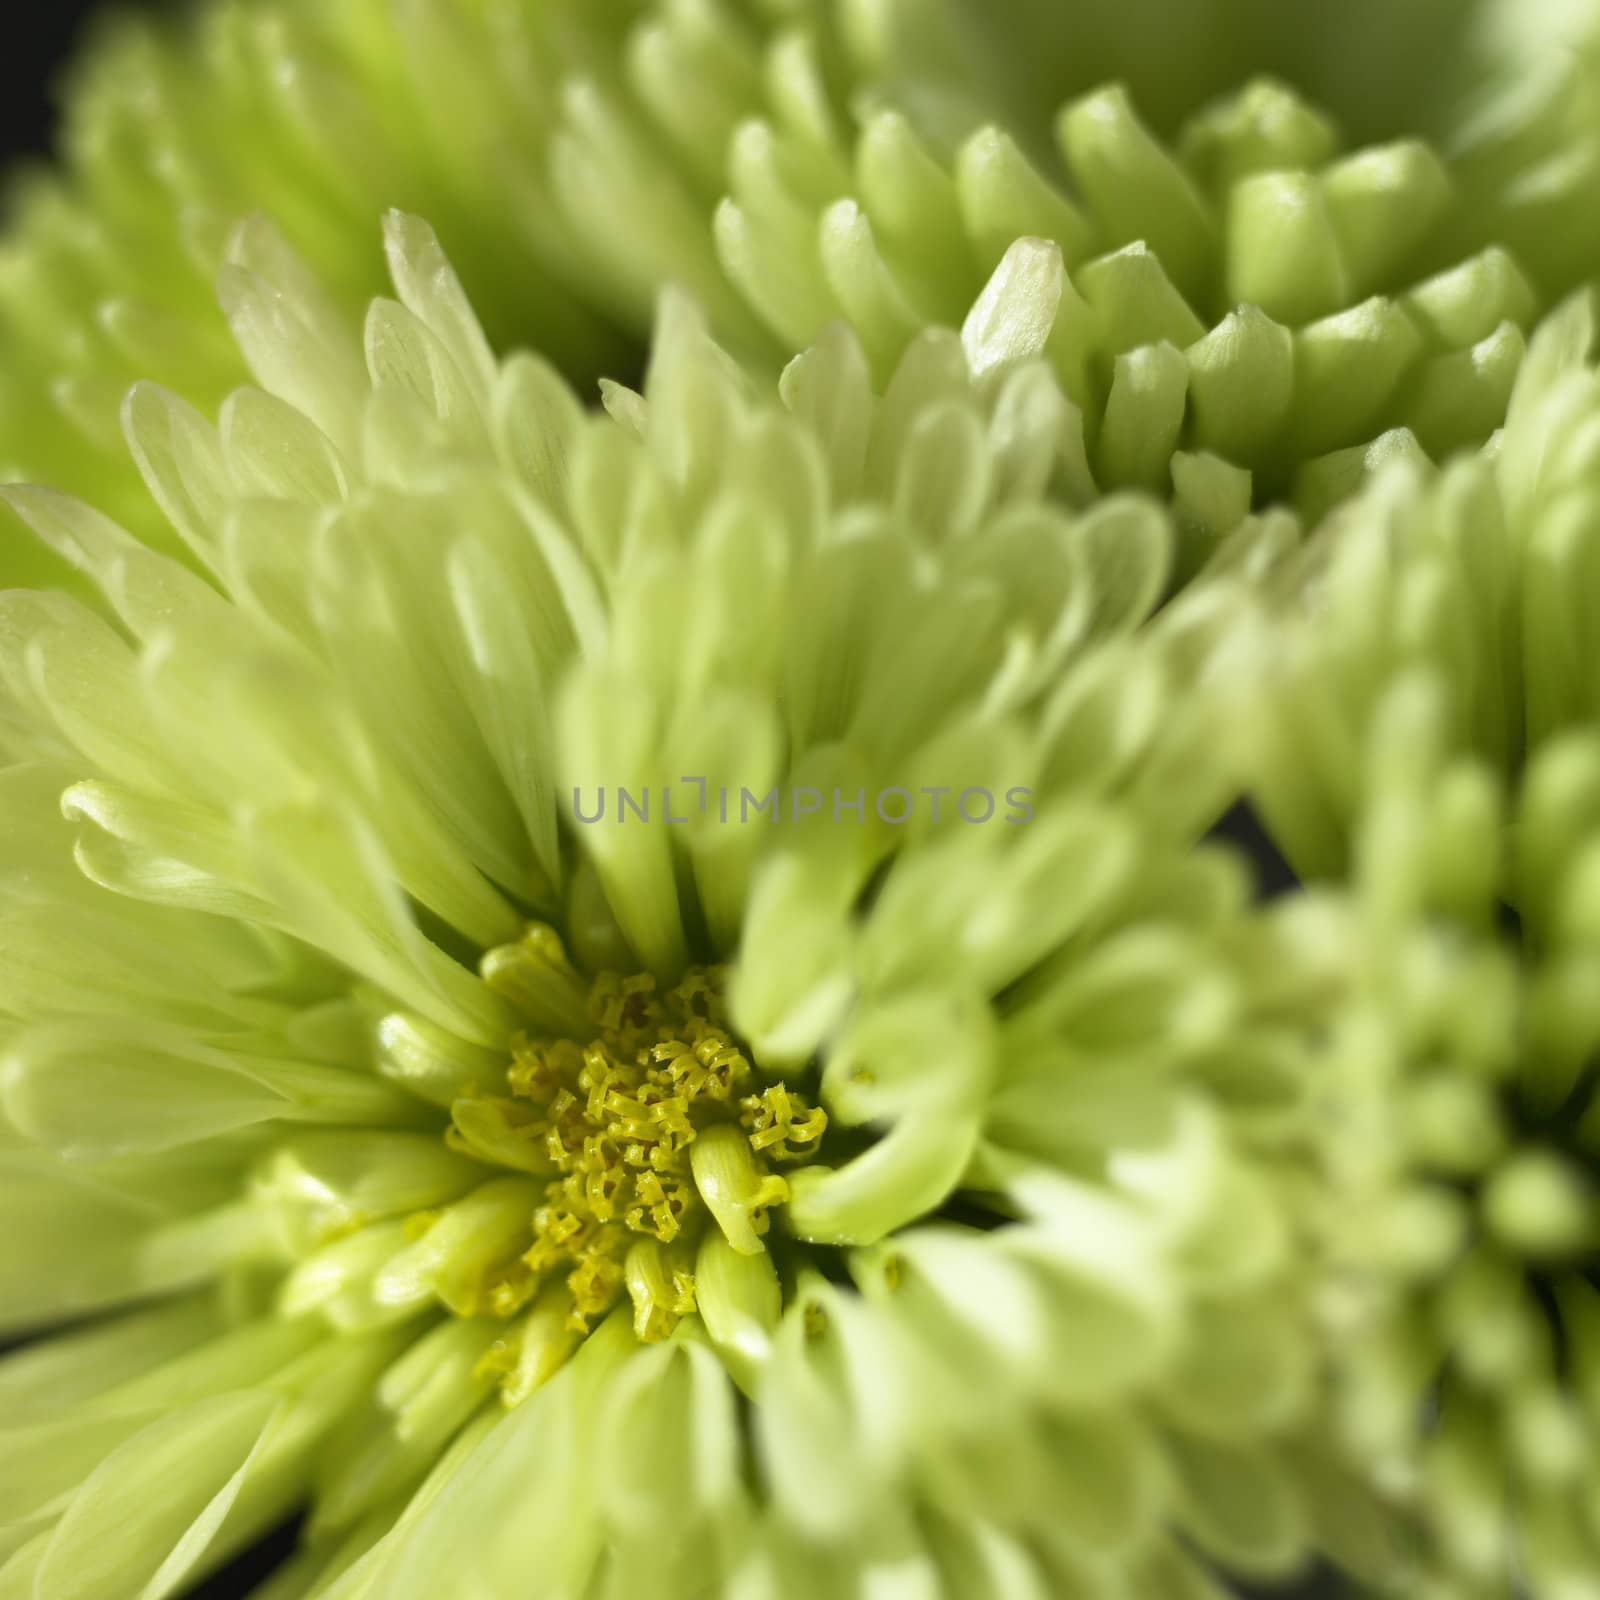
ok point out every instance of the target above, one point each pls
(1250, 306)
(1485, 575)
(891, 1184)
(1465, 1142)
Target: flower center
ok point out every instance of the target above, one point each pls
(644, 1132)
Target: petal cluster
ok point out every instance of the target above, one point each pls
(1463, 1147)
(1479, 576)
(1257, 291)
(621, 970)
(278, 1019)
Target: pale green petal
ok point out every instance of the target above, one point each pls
(418, 1404)
(166, 1091)
(832, 1368)
(455, 1256)
(522, 1495)
(75, 1248)
(145, 1518)
(1237, 1504)
(328, 871)
(55, 1374)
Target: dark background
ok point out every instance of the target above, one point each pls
(30, 71)
(29, 64)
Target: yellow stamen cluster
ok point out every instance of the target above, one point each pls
(610, 1124)
(781, 1125)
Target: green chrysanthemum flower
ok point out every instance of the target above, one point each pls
(1465, 1146)
(1245, 312)
(698, 1203)
(1254, 295)
(502, 122)
(1485, 575)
